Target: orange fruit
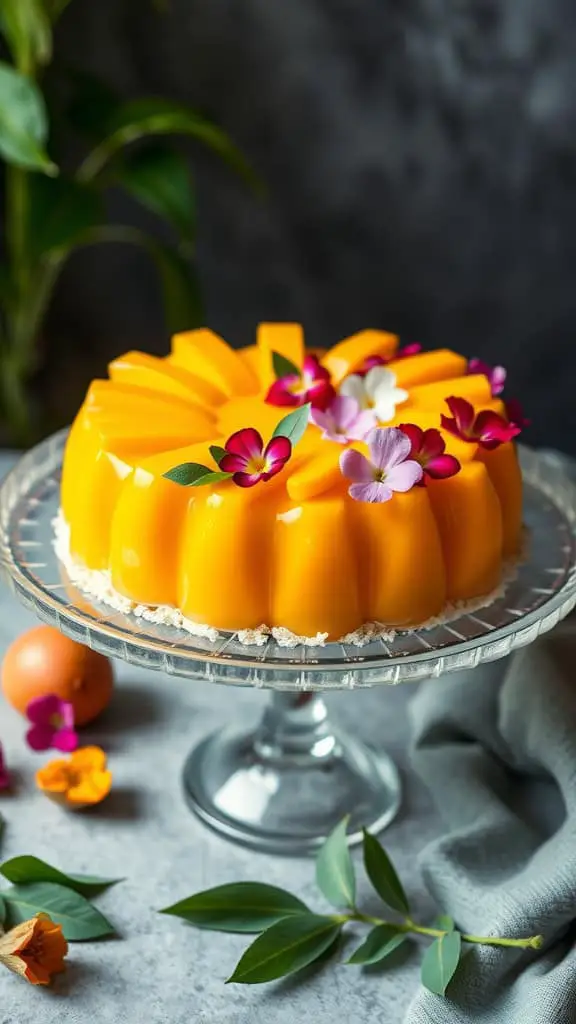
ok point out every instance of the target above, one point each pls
(44, 661)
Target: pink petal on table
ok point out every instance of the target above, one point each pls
(356, 466)
(374, 492)
(246, 442)
(388, 446)
(442, 466)
(65, 740)
(404, 476)
(41, 709)
(39, 737)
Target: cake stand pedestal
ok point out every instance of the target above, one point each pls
(283, 787)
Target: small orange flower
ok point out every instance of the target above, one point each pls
(80, 780)
(34, 949)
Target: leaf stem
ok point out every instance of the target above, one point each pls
(409, 926)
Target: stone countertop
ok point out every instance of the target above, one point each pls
(161, 970)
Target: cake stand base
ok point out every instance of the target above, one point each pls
(283, 787)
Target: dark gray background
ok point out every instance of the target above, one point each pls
(420, 158)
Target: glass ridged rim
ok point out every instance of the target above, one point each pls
(413, 655)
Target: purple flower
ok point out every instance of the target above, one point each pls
(4, 773)
(52, 724)
(344, 420)
(496, 374)
(389, 470)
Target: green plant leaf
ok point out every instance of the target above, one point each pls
(26, 869)
(26, 29)
(238, 907)
(382, 874)
(334, 869)
(440, 962)
(211, 478)
(217, 453)
(23, 122)
(79, 919)
(187, 473)
(161, 180)
(378, 944)
(3, 912)
(142, 118)
(287, 946)
(283, 367)
(293, 426)
(61, 211)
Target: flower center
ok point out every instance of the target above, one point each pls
(257, 464)
(56, 721)
(380, 475)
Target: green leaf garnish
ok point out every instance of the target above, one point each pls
(238, 907)
(382, 874)
(378, 944)
(79, 919)
(283, 367)
(334, 869)
(440, 962)
(193, 474)
(293, 426)
(217, 453)
(24, 870)
(286, 947)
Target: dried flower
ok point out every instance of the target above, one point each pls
(34, 949)
(251, 462)
(377, 391)
(391, 468)
(428, 449)
(313, 385)
(52, 724)
(487, 429)
(80, 781)
(344, 420)
(496, 374)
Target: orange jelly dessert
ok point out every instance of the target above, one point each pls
(315, 490)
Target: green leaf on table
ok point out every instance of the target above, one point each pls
(440, 962)
(283, 367)
(378, 944)
(161, 180)
(193, 474)
(26, 869)
(142, 118)
(61, 211)
(287, 946)
(26, 29)
(79, 919)
(217, 453)
(23, 122)
(444, 923)
(293, 426)
(334, 869)
(382, 874)
(238, 907)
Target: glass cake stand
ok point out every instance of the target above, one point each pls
(282, 787)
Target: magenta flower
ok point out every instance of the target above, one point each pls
(4, 773)
(496, 374)
(312, 385)
(52, 724)
(515, 413)
(487, 429)
(428, 448)
(344, 420)
(371, 361)
(389, 470)
(248, 459)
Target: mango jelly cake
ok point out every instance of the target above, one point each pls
(309, 489)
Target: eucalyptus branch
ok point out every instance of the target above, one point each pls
(408, 926)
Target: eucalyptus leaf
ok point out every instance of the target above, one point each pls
(378, 944)
(382, 874)
(286, 947)
(293, 426)
(440, 962)
(79, 919)
(26, 869)
(26, 29)
(187, 473)
(61, 211)
(238, 907)
(444, 923)
(334, 869)
(161, 180)
(23, 122)
(217, 453)
(284, 367)
(211, 478)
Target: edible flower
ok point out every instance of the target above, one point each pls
(389, 468)
(496, 374)
(5, 781)
(344, 420)
(377, 391)
(80, 781)
(428, 448)
(515, 413)
(487, 429)
(34, 949)
(312, 385)
(52, 724)
(248, 459)
(371, 361)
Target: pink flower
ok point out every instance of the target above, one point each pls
(487, 429)
(344, 420)
(248, 459)
(496, 374)
(4, 773)
(428, 449)
(515, 413)
(312, 385)
(390, 470)
(52, 724)
(371, 361)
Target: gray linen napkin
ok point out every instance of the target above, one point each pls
(497, 749)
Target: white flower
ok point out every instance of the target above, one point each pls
(377, 391)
